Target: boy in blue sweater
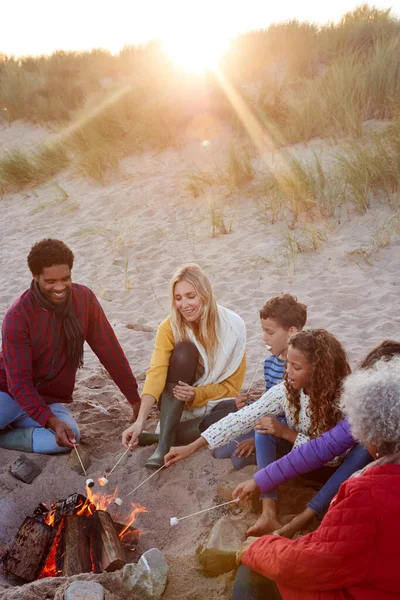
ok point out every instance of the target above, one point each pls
(281, 317)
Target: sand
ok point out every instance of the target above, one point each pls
(128, 236)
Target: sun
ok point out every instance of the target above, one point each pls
(195, 53)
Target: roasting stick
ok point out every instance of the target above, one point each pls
(118, 461)
(77, 453)
(89, 482)
(175, 520)
(150, 476)
(255, 374)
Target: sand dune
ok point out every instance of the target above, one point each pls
(128, 236)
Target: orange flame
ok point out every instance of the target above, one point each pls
(101, 501)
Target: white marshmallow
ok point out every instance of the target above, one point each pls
(268, 347)
(118, 501)
(102, 481)
(90, 483)
(174, 521)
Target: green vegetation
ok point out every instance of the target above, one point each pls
(297, 81)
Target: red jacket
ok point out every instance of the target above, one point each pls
(353, 555)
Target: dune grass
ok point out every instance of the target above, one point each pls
(299, 80)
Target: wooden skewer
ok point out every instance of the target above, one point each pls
(77, 453)
(206, 509)
(255, 375)
(152, 475)
(118, 461)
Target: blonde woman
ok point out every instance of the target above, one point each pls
(198, 362)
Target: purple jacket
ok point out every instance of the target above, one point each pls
(307, 457)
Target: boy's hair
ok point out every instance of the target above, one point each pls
(285, 310)
(48, 253)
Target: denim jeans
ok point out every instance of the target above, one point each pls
(250, 585)
(356, 459)
(228, 450)
(268, 449)
(44, 440)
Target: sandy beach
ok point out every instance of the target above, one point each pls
(128, 237)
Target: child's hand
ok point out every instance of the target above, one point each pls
(272, 426)
(245, 448)
(176, 455)
(241, 400)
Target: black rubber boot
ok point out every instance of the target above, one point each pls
(170, 416)
(17, 439)
(186, 433)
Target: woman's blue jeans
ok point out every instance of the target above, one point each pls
(43, 440)
(250, 585)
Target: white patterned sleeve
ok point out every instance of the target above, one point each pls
(245, 419)
(301, 438)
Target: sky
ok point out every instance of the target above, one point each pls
(42, 26)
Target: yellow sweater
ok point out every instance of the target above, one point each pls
(157, 375)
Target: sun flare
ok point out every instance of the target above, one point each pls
(195, 53)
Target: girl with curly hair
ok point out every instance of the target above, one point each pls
(304, 405)
(355, 552)
(314, 454)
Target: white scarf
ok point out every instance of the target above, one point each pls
(229, 354)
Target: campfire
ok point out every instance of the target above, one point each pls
(75, 535)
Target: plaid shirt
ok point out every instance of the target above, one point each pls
(35, 371)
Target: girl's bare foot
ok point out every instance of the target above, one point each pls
(265, 524)
(298, 523)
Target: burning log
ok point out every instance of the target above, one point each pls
(76, 546)
(30, 547)
(107, 551)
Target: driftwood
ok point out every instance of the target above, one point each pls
(76, 546)
(31, 545)
(107, 550)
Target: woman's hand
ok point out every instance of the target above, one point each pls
(241, 400)
(130, 436)
(244, 490)
(176, 454)
(273, 427)
(184, 392)
(245, 546)
(245, 448)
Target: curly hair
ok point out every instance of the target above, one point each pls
(371, 401)
(48, 253)
(330, 366)
(286, 310)
(385, 350)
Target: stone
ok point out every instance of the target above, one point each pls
(218, 553)
(227, 483)
(25, 469)
(84, 590)
(148, 578)
(74, 462)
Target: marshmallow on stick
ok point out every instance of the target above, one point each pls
(175, 520)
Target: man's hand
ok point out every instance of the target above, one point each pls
(184, 392)
(177, 454)
(65, 437)
(245, 448)
(245, 546)
(241, 400)
(244, 490)
(273, 427)
(130, 436)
